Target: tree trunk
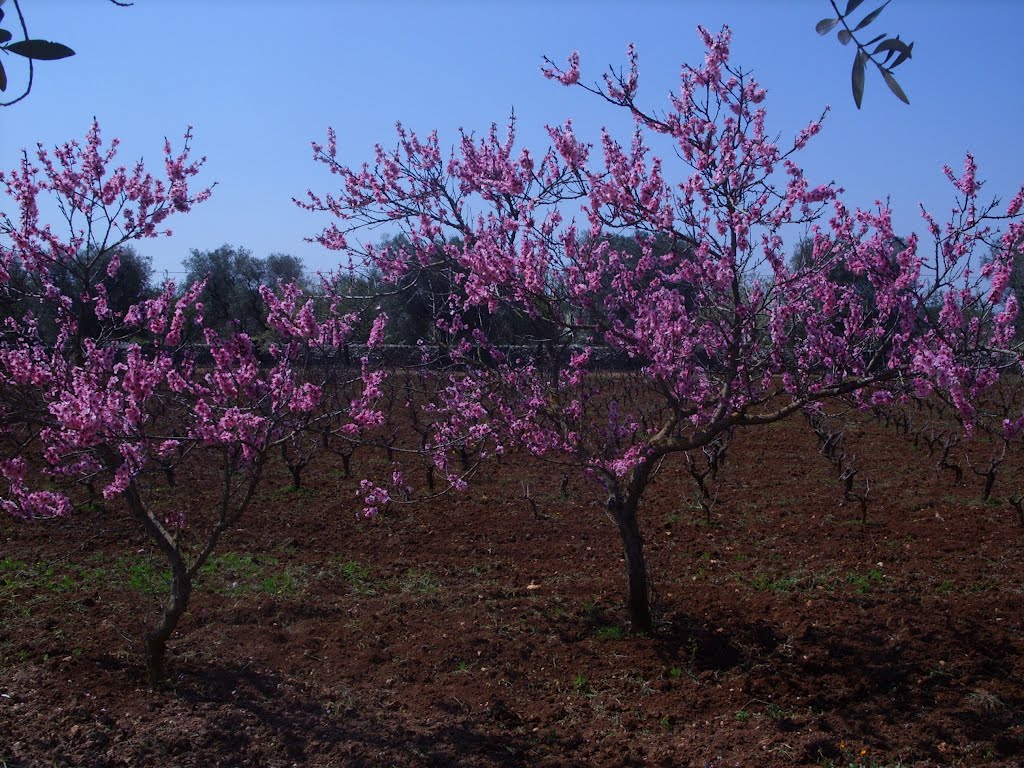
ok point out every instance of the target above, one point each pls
(156, 639)
(638, 601)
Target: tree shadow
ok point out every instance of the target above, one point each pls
(300, 725)
(850, 677)
(688, 643)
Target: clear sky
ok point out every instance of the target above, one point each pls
(259, 80)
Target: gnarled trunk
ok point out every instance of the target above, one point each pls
(623, 502)
(156, 639)
(638, 600)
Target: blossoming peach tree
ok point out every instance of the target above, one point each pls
(150, 394)
(725, 333)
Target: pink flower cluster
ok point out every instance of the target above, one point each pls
(155, 380)
(705, 301)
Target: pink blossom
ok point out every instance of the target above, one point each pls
(705, 303)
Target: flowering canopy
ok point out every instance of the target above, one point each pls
(725, 331)
(153, 382)
(119, 398)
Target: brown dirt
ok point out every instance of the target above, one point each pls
(471, 632)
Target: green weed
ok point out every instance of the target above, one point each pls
(356, 575)
(237, 573)
(762, 582)
(283, 583)
(589, 609)
(863, 583)
(608, 632)
(231, 569)
(142, 577)
(580, 684)
(419, 582)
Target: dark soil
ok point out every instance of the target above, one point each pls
(474, 630)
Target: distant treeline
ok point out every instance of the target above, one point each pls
(418, 304)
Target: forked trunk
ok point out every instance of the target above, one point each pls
(156, 639)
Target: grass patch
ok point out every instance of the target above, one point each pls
(355, 575)
(10, 568)
(419, 582)
(43, 578)
(762, 582)
(283, 583)
(863, 583)
(797, 581)
(140, 575)
(237, 573)
(143, 574)
(230, 570)
(609, 632)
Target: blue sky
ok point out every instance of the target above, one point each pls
(260, 80)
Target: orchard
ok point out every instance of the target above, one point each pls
(563, 366)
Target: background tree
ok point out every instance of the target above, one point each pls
(232, 277)
(284, 268)
(122, 275)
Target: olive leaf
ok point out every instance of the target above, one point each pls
(858, 77)
(871, 16)
(41, 50)
(824, 26)
(894, 86)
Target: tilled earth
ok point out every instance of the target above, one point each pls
(484, 630)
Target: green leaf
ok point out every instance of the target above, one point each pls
(4, 35)
(893, 44)
(3, 78)
(845, 36)
(894, 86)
(873, 40)
(871, 16)
(903, 56)
(891, 48)
(858, 77)
(824, 26)
(851, 7)
(41, 50)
